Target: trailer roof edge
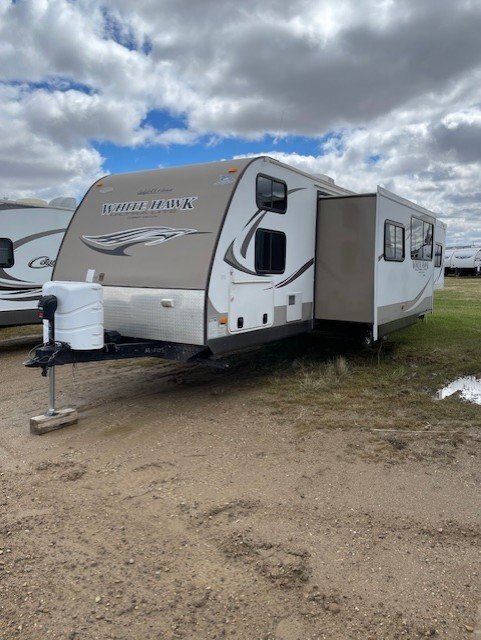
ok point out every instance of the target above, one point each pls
(320, 183)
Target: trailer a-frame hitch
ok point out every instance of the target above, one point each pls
(116, 347)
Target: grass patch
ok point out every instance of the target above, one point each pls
(320, 382)
(6, 333)
(315, 377)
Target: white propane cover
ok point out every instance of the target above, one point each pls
(79, 318)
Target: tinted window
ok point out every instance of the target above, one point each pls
(264, 192)
(438, 255)
(421, 239)
(6, 253)
(271, 194)
(270, 251)
(393, 242)
(279, 199)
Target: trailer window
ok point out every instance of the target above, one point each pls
(271, 194)
(6, 253)
(438, 254)
(393, 241)
(421, 239)
(270, 251)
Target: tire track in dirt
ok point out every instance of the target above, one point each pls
(189, 513)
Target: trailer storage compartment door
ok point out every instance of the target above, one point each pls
(345, 259)
(251, 304)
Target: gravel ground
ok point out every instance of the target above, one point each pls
(183, 505)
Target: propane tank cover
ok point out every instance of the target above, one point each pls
(79, 318)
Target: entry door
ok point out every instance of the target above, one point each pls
(251, 304)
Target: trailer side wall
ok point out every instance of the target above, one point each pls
(404, 289)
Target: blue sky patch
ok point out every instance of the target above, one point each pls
(54, 84)
(161, 120)
(119, 159)
(373, 158)
(117, 31)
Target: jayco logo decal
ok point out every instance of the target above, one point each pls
(184, 203)
(41, 262)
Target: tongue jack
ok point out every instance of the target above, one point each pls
(52, 419)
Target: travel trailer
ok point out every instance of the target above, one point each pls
(465, 262)
(198, 261)
(439, 254)
(30, 234)
(448, 254)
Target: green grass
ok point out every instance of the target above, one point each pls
(450, 338)
(319, 382)
(16, 332)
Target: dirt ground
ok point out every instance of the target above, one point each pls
(185, 505)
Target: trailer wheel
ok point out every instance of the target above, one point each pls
(367, 339)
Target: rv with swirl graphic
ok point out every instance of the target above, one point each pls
(231, 254)
(31, 231)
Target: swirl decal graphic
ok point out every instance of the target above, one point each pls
(236, 253)
(8, 281)
(20, 295)
(116, 243)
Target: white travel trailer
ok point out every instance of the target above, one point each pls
(439, 254)
(202, 260)
(466, 261)
(30, 234)
(448, 254)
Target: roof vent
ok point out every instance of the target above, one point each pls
(64, 203)
(324, 178)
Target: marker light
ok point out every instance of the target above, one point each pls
(232, 170)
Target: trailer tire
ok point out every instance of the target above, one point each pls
(367, 339)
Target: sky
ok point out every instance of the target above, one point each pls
(369, 92)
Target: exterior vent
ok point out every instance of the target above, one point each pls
(324, 178)
(64, 203)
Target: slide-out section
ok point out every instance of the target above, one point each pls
(344, 276)
(374, 261)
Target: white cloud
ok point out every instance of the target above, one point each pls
(33, 163)
(404, 153)
(397, 80)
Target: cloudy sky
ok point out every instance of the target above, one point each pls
(368, 91)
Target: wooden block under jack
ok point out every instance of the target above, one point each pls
(44, 423)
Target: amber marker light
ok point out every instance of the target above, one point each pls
(223, 320)
(99, 184)
(232, 170)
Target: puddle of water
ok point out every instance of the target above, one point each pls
(468, 387)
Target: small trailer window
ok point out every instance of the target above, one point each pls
(421, 239)
(438, 254)
(270, 251)
(393, 241)
(271, 194)
(6, 253)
